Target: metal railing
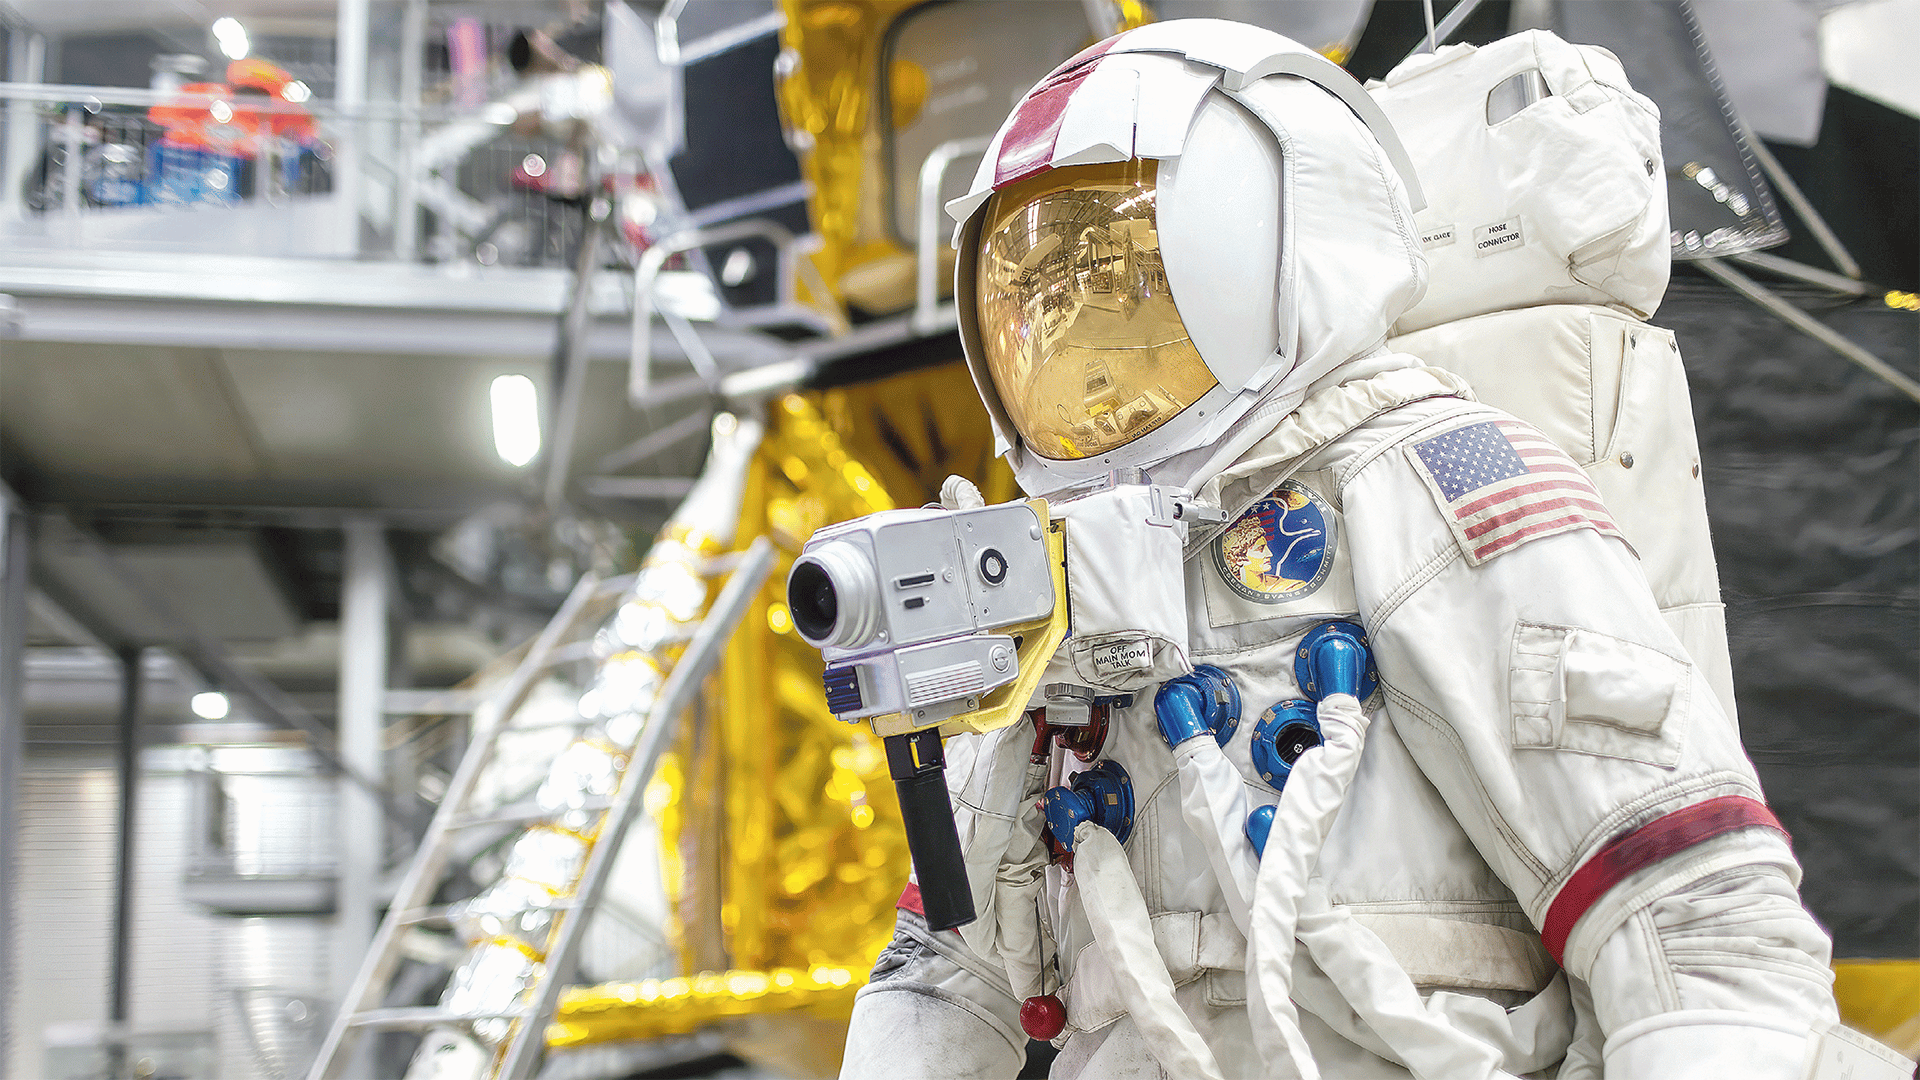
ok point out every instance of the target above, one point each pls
(108, 169)
(927, 314)
(101, 171)
(788, 263)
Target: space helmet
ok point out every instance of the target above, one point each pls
(1172, 237)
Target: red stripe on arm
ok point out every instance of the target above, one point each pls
(1659, 839)
(910, 900)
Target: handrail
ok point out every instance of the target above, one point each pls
(647, 272)
(93, 96)
(933, 173)
(524, 1051)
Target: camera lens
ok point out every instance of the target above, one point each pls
(833, 594)
(812, 600)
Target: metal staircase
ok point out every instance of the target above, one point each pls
(517, 1031)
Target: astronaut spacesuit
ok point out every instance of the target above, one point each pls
(1529, 842)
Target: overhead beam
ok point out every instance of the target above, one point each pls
(73, 629)
(422, 332)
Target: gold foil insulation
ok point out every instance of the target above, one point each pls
(782, 848)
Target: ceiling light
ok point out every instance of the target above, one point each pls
(516, 419)
(297, 92)
(232, 38)
(211, 705)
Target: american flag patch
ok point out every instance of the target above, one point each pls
(1500, 484)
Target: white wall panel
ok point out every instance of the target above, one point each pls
(191, 971)
(176, 961)
(64, 900)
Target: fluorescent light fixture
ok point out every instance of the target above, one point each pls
(516, 419)
(211, 705)
(232, 38)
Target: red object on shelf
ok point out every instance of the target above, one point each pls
(190, 119)
(1043, 1017)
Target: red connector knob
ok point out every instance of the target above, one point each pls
(1043, 1017)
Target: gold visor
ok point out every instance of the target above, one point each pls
(1082, 338)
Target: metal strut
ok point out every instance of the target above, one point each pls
(1808, 325)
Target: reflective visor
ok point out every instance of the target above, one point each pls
(1082, 338)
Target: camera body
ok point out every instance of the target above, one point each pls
(904, 605)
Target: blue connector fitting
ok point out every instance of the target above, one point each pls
(1284, 732)
(1102, 795)
(1335, 658)
(1204, 700)
(1259, 824)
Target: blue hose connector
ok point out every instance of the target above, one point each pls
(1102, 795)
(1259, 824)
(1284, 732)
(1203, 701)
(1335, 658)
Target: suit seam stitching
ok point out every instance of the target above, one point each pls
(1396, 439)
(1391, 603)
(1499, 821)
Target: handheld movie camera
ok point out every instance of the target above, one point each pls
(933, 621)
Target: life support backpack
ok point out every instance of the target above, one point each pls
(1546, 235)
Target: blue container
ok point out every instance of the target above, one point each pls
(113, 175)
(189, 176)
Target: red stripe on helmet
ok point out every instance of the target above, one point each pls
(1027, 148)
(1087, 55)
(1658, 839)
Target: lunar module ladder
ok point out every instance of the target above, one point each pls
(360, 1011)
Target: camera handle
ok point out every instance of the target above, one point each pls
(919, 770)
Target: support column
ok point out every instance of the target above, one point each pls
(349, 100)
(128, 768)
(406, 209)
(15, 544)
(363, 684)
(26, 63)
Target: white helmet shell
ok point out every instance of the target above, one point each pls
(1285, 218)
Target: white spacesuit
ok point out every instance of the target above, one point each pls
(1528, 842)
